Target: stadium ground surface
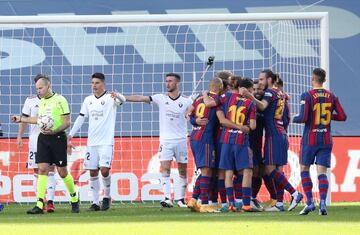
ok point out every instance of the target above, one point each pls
(149, 218)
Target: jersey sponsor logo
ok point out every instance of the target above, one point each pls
(235, 131)
(320, 130)
(172, 114)
(180, 105)
(102, 102)
(96, 114)
(268, 94)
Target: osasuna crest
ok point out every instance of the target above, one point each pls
(180, 105)
(102, 102)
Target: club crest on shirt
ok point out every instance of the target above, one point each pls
(166, 102)
(180, 105)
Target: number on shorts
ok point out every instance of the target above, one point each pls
(87, 155)
(32, 155)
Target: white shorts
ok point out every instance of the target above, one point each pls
(98, 156)
(32, 154)
(177, 151)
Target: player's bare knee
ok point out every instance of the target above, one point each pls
(304, 168)
(248, 173)
(94, 173)
(182, 167)
(205, 171)
(269, 169)
(105, 171)
(52, 168)
(321, 169)
(62, 172)
(43, 169)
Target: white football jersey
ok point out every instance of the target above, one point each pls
(31, 109)
(173, 124)
(101, 112)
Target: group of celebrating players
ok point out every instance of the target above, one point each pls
(229, 122)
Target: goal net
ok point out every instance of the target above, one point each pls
(134, 53)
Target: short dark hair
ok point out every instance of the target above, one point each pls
(320, 75)
(41, 76)
(279, 81)
(238, 80)
(177, 76)
(256, 81)
(270, 74)
(224, 74)
(246, 83)
(225, 83)
(100, 76)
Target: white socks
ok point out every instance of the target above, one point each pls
(95, 188)
(166, 186)
(51, 185)
(106, 183)
(180, 188)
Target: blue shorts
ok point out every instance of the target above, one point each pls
(217, 154)
(204, 154)
(257, 158)
(276, 150)
(235, 157)
(320, 155)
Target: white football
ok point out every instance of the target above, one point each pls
(45, 122)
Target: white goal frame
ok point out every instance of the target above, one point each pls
(180, 19)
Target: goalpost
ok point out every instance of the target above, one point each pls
(134, 52)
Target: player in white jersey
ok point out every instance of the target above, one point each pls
(173, 135)
(30, 109)
(100, 108)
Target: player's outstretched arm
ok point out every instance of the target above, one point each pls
(138, 98)
(252, 124)
(304, 110)
(118, 97)
(260, 104)
(208, 101)
(21, 119)
(188, 112)
(340, 114)
(77, 125)
(21, 131)
(227, 123)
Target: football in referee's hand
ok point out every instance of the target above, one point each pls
(45, 122)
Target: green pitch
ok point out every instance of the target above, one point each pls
(149, 218)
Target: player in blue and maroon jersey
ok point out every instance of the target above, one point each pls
(202, 141)
(317, 110)
(237, 116)
(276, 141)
(279, 84)
(256, 142)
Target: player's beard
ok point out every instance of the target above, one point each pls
(258, 96)
(171, 89)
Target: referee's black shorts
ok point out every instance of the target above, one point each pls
(52, 149)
